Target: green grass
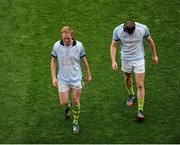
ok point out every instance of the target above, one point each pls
(29, 105)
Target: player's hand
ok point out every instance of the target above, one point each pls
(155, 59)
(114, 66)
(55, 82)
(88, 78)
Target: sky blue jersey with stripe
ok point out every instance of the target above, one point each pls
(131, 44)
(69, 69)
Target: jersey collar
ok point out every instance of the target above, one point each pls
(62, 43)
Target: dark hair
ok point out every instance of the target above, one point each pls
(129, 26)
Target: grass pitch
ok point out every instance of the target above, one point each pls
(29, 105)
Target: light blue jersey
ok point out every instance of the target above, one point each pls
(131, 44)
(69, 70)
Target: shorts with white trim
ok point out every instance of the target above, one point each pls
(64, 87)
(138, 66)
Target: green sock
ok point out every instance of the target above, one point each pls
(140, 103)
(68, 104)
(65, 106)
(131, 90)
(76, 113)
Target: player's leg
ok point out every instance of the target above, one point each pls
(140, 94)
(127, 69)
(140, 75)
(64, 99)
(129, 85)
(76, 92)
(76, 108)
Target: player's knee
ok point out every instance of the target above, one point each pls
(75, 101)
(140, 85)
(62, 103)
(127, 78)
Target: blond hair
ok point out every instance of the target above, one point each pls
(67, 29)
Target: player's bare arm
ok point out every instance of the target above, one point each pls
(153, 49)
(86, 66)
(53, 71)
(113, 48)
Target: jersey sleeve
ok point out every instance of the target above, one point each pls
(147, 33)
(53, 53)
(115, 34)
(82, 51)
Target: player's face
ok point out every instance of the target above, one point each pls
(67, 38)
